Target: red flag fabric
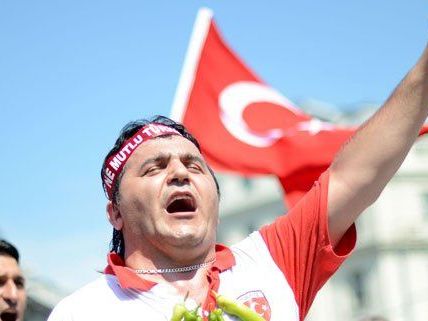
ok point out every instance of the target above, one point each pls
(245, 126)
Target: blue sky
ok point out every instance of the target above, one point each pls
(72, 73)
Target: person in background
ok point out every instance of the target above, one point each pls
(13, 297)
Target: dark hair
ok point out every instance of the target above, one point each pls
(8, 249)
(117, 243)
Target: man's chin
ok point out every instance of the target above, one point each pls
(187, 237)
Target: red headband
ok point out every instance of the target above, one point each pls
(115, 163)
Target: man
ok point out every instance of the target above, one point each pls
(13, 296)
(163, 205)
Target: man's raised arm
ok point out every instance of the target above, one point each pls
(372, 156)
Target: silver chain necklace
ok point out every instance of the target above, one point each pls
(175, 270)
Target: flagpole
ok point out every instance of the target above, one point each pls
(191, 60)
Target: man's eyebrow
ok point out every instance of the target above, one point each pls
(190, 157)
(14, 276)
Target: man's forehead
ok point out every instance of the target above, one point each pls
(169, 145)
(8, 265)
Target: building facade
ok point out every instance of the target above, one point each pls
(42, 296)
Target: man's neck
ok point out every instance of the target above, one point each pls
(154, 256)
(193, 284)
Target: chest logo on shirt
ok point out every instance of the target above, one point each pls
(256, 301)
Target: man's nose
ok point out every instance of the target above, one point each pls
(10, 292)
(178, 173)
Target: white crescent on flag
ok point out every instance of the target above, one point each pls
(233, 101)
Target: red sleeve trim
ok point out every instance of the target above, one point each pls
(300, 245)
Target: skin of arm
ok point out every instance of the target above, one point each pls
(371, 157)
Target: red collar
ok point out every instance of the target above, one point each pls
(129, 279)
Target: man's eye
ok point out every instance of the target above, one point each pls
(194, 166)
(20, 283)
(151, 170)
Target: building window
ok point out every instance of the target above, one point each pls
(251, 227)
(424, 203)
(247, 183)
(359, 287)
(421, 147)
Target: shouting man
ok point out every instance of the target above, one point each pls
(163, 205)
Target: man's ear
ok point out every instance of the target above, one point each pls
(114, 216)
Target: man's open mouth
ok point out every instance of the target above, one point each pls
(181, 203)
(9, 316)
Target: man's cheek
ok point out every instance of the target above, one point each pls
(24, 299)
(3, 305)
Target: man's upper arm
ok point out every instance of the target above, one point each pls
(300, 246)
(368, 161)
(343, 207)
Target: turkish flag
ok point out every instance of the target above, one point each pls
(245, 126)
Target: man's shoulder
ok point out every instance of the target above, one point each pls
(251, 249)
(252, 242)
